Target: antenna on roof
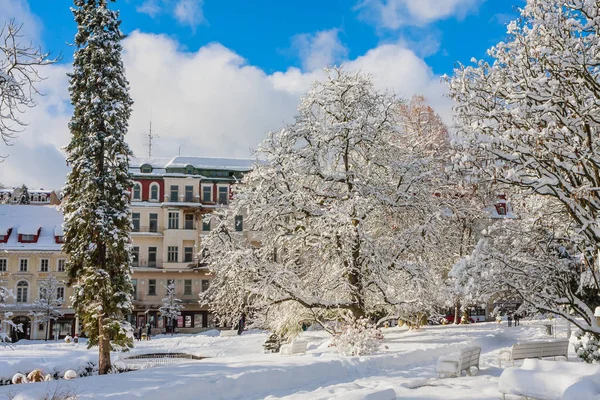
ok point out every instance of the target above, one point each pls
(150, 137)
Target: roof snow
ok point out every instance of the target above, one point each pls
(26, 220)
(58, 231)
(238, 164)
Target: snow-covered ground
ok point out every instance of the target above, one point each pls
(238, 368)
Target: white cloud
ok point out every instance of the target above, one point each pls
(210, 102)
(393, 14)
(149, 7)
(319, 50)
(186, 12)
(20, 12)
(189, 12)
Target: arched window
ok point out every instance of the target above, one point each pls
(189, 170)
(137, 191)
(43, 198)
(154, 191)
(146, 169)
(22, 288)
(35, 197)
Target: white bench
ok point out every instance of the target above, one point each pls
(296, 347)
(549, 380)
(229, 332)
(454, 364)
(521, 351)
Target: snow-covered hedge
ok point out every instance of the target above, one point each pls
(358, 337)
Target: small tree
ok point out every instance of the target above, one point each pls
(19, 72)
(171, 306)
(24, 198)
(6, 320)
(47, 307)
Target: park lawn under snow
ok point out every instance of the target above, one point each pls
(238, 369)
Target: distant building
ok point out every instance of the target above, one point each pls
(30, 250)
(36, 197)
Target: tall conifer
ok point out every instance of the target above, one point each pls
(96, 205)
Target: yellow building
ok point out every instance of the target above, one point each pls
(30, 251)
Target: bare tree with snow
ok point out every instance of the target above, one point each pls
(171, 306)
(340, 215)
(19, 73)
(530, 121)
(47, 307)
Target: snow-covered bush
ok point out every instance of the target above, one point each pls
(70, 374)
(272, 344)
(358, 337)
(586, 347)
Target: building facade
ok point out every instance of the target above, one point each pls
(30, 251)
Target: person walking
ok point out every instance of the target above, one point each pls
(509, 320)
(241, 324)
(517, 318)
(148, 331)
(139, 334)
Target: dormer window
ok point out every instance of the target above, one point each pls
(5, 235)
(146, 169)
(60, 239)
(27, 238)
(189, 170)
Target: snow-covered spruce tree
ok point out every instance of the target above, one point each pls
(96, 202)
(171, 306)
(340, 217)
(24, 197)
(19, 73)
(47, 307)
(530, 121)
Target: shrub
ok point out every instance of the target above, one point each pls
(357, 337)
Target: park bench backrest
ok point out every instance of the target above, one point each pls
(299, 346)
(469, 357)
(554, 348)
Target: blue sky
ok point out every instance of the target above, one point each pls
(263, 31)
(215, 76)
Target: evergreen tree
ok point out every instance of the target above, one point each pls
(24, 198)
(47, 307)
(171, 306)
(96, 204)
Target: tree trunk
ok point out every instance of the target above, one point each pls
(104, 350)
(47, 328)
(456, 312)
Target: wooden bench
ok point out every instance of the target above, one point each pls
(296, 347)
(228, 332)
(454, 364)
(521, 351)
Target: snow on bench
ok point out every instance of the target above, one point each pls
(453, 364)
(228, 332)
(538, 349)
(296, 347)
(549, 380)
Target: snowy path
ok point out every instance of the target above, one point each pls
(239, 369)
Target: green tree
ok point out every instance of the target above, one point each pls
(96, 205)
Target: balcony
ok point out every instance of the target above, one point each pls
(148, 229)
(158, 264)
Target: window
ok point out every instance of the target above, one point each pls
(27, 238)
(61, 265)
(189, 193)
(154, 192)
(173, 220)
(135, 256)
(189, 170)
(44, 265)
(153, 222)
(3, 264)
(60, 293)
(174, 193)
(146, 169)
(206, 194)
(188, 254)
(134, 291)
(43, 294)
(22, 288)
(170, 282)
(239, 223)
(205, 285)
(187, 287)
(205, 225)
(223, 194)
(137, 191)
(152, 256)
(23, 263)
(135, 219)
(172, 255)
(60, 239)
(151, 287)
(188, 221)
